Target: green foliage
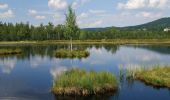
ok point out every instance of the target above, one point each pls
(10, 51)
(157, 25)
(71, 28)
(25, 31)
(92, 82)
(156, 76)
(62, 53)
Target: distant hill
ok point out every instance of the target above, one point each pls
(157, 25)
(97, 29)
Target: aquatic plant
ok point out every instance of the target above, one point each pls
(83, 83)
(62, 53)
(10, 51)
(158, 76)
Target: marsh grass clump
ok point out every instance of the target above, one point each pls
(82, 83)
(156, 76)
(62, 53)
(10, 51)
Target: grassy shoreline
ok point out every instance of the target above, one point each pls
(62, 53)
(78, 82)
(157, 76)
(10, 51)
(114, 41)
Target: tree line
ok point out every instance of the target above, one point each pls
(70, 30)
(25, 31)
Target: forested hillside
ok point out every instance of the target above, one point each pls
(157, 25)
(25, 31)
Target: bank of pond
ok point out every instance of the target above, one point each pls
(77, 82)
(63, 53)
(83, 83)
(156, 76)
(59, 53)
(4, 52)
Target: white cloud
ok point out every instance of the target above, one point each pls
(7, 14)
(39, 17)
(83, 15)
(90, 23)
(148, 14)
(97, 23)
(84, 1)
(75, 4)
(57, 4)
(32, 12)
(97, 11)
(36, 15)
(145, 14)
(91, 12)
(91, 18)
(3, 6)
(137, 4)
(57, 16)
(78, 3)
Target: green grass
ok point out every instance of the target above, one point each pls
(62, 53)
(10, 51)
(83, 83)
(107, 41)
(156, 76)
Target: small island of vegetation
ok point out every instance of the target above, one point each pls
(156, 76)
(10, 51)
(82, 83)
(62, 53)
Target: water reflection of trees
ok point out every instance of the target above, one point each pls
(48, 50)
(162, 49)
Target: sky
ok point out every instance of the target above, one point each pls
(90, 13)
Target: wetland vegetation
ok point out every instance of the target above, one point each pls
(10, 51)
(84, 83)
(63, 53)
(157, 76)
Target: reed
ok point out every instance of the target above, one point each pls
(83, 83)
(157, 76)
(10, 51)
(62, 53)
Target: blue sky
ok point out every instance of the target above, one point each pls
(90, 13)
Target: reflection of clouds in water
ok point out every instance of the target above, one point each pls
(96, 62)
(97, 56)
(7, 65)
(55, 61)
(57, 71)
(93, 62)
(137, 55)
(37, 60)
(97, 51)
(148, 57)
(130, 66)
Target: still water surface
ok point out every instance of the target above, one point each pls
(29, 76)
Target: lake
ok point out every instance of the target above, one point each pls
(29, 76)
